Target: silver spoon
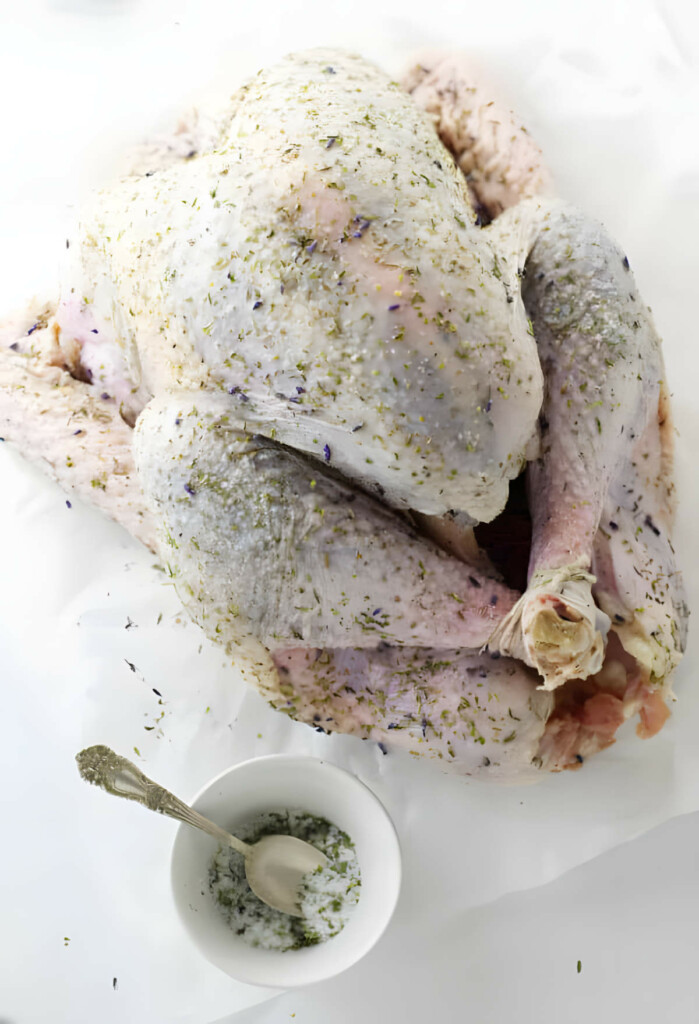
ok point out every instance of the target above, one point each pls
(274, 865)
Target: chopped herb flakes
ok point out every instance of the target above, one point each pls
(328, 895)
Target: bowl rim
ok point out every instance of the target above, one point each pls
(367, 794)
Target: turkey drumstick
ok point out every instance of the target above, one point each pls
(599, 423)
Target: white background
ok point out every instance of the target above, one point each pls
(505, 889)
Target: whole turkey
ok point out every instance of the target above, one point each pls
(308, 350)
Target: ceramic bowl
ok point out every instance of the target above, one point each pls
(274, 783)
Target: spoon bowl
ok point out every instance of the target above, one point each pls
(272, 784)
(276, 868)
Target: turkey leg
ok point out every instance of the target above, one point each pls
(603, 370)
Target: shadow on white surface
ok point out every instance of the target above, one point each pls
(628, 916)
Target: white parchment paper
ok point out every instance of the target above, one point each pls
(89, 629)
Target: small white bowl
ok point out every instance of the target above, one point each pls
(277, 782)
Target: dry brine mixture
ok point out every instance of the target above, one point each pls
(327, 896)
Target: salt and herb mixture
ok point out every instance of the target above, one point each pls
(327, 896)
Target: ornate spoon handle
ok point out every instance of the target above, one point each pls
(119, 776)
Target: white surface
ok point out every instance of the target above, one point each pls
(271, 783)
(610, 90)
(629, 917)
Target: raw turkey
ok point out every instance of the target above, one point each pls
(309, 350)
